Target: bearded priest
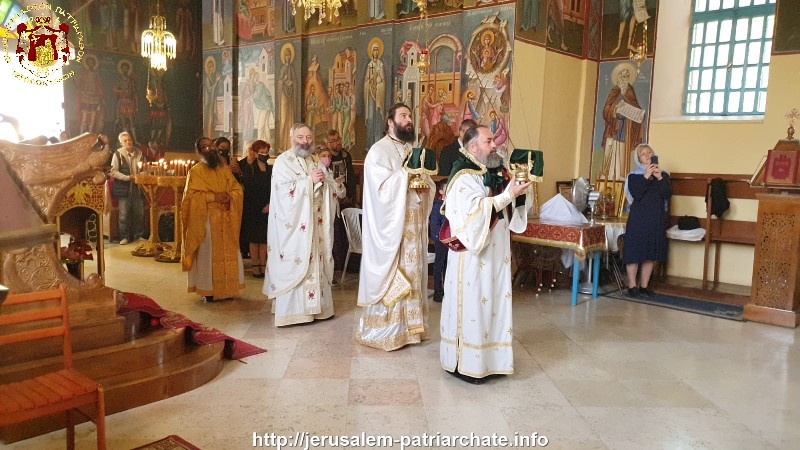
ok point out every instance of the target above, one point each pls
(393, 281)
(302, 207)
(211, 213)
(482, 207)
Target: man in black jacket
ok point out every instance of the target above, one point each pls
(341, 166)
(450, 153)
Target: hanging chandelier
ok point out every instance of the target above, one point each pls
(158, 44)
(309, 6)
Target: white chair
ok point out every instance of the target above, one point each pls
(352, 226)
(431, 260)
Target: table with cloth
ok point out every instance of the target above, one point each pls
(584, 239)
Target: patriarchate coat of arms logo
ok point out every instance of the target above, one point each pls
(45, 40)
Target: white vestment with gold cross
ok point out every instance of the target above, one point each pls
(393, 280)
(476, 322)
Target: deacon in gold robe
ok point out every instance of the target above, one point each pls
(211, 214)
(482, 208)
(393, 282)
(302, 207)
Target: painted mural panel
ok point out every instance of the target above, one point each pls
(486, 94)
(329, 85)
(114, 89)
(621, 118)
(288, 90)
(787, 27)
(623, 26)
(218, 17)
(255, 20)
(111, 93)
(117, 25)
(595, 24)
(410, 8)
(375, 72)
(433, 96)
(557, 24)
(257, 105)
(218, 89)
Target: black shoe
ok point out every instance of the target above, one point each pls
(438, 298)
(633, 292)
(646, 292)
(209, 299)
(466, 378)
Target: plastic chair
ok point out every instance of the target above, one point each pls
(352, 226)
(65, 390)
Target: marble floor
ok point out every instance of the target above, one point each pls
(604, 374)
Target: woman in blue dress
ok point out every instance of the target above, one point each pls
(648, 190)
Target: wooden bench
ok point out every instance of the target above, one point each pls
(718, 231)
(54, 392)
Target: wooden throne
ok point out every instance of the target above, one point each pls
(135, 364)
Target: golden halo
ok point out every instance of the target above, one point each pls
(489, 33)
(88, 57)
(631, 69)
(376, 41)
(291, 53)
(124, 61)
(210, 59)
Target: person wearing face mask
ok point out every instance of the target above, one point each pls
(326, 159)
(300, 233)
(223, 145)
(256, 177)
(211, 213)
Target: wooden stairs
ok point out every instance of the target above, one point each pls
(150, 365)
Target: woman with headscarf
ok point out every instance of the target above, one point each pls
(648, 190)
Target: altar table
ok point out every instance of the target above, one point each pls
(584, 239)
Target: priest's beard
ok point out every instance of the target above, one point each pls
(301, 150)
(211, 159)
(493, 161)
(406, 134)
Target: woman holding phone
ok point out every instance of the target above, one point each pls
(648, 190)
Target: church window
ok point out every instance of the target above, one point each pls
(728, 57)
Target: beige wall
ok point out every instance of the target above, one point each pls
(729, 146)
(553, 104)
(556, 120)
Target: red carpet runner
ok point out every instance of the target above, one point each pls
(200, 334)
(171, 442)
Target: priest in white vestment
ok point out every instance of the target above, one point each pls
(300, 233)
(482, 207)
(393, 281)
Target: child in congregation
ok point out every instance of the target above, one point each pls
(434, 225)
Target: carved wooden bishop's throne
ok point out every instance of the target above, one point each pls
(34, 183)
